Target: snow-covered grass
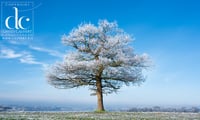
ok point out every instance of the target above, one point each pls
(98, 116)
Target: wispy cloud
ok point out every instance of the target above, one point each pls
(49, 51)
(23, 57)
(9, 54)
(14, 82)
(29, 59)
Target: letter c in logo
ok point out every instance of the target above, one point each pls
(20, 22)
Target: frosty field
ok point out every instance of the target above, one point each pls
(98, 116)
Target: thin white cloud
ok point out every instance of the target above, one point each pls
(23, 57)
(9, 54)
(14, 82)
(50, 52)
(29, 59)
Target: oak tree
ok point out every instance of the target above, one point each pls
(102, 59)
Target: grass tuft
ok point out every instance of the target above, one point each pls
(100, 111)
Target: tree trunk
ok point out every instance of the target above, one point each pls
(99, 95)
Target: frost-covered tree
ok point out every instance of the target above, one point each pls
(103, 60)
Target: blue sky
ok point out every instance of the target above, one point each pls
(167, 30)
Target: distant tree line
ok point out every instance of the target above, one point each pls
(160, 109)
(5, 108)
(29, 108)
